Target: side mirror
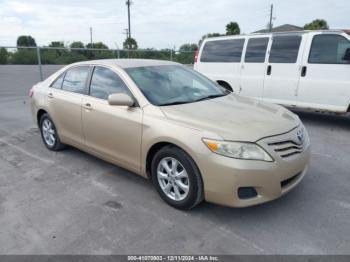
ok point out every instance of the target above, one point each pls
(120, 100)
(347, 55)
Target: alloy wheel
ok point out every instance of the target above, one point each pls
(173, 179)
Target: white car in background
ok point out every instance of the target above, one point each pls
(308, 69)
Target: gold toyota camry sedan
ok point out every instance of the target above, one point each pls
(192, 138)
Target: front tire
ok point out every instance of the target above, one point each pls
(177, 178)
(49, 133)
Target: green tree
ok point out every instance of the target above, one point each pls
(26, 40)
(77, 44)
(50, 56)
(317, 24)
(57, 44)
(130, 43)
(98, 45)
(233, 29)
(97, 54)
(24, 57)
(186, 53)
(70, 57)
(188, 47)
(3, 56)
(149, 53)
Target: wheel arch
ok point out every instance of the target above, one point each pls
(155, 148)
(39, 115)
(225, 85)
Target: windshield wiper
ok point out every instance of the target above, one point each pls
(209, 97)
(175, 103)
(187, 102)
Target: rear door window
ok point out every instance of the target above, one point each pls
(256, 50)
(223, 51)
(285, 49)
(328, 49)
(75, 79)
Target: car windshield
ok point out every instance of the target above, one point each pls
(174, 84)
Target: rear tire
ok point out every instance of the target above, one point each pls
(177, 178)
(49, 133)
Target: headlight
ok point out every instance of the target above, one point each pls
(240, 150)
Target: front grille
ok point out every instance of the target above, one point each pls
(286, 148)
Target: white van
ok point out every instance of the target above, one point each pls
(309, 69)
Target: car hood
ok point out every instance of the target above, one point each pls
(234, 118)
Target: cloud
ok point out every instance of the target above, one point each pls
(155, 23)
(19, 7)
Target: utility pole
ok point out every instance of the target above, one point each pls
(91, 36)
(271, 17)
(126, 33)
(128, 3)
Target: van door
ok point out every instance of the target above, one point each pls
(283, 69)
(253, 68)
(325, 75)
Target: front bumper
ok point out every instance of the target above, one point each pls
(223, 176)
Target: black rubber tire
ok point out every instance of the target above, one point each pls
(195, 195)
(57, 145)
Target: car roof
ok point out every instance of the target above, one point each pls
(127, 63)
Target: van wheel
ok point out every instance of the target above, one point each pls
(49, 133)
(177, 178)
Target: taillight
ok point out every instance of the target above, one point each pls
(196, 56)
(31, 92)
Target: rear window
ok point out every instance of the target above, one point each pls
(285, 49)
(223, 51)
(256, 50)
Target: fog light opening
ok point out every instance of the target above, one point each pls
(247, 192)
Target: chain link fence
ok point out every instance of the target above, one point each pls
(23, 55)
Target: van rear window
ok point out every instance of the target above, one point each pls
(223, 51)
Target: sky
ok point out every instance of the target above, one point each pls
(155, 23)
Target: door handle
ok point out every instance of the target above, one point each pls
(303, 71)
(50, 95)
(269, 69)
(87, 106)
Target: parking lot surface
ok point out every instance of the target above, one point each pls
(69, 202)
